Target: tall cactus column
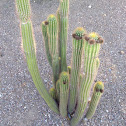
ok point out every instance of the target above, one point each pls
(91, 50)
(23, 8)
(50, 34)
(63, 29)
(46, 41)
(78, 43)
(52, 31)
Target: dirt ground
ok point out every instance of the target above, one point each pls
(20, 102)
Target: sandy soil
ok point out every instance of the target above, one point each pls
(20, 103)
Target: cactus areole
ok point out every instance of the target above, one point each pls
(71, 89)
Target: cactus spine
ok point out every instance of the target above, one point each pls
(29, 49)
(91, 50)
(78, 43)
(64, 93)
(97, 93)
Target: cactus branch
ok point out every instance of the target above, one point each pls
(45, 35)
(91, 50)
(63, 29)
(98, 91)
(29, 49)
(64, 93)
(78, 43)
(52, 31)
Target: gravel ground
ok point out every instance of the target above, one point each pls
(20, 103)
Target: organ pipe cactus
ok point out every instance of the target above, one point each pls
(71, 89)
(97, 92)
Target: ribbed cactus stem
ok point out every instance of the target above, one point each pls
(97, 93)
(45, 35)
(52, 31)
(63, 29)
(29, 49)
(78, 43)
(52, 92)
(64, 93)
(91, 50)
(23, 8)
(53, 34)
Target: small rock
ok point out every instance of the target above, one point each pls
(45, 81)
(121, 52)
(104, 15)
(89, 6)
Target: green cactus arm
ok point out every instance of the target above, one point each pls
(91, 50)
(52, 92)
(23, 8)
(52, 31)
(64, 93)
(78, 43)
(45, 35)
(29, 49)
(97, 93)
(63, 29)
(53, 34)
(58, 90)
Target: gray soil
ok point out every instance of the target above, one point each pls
(20, 102)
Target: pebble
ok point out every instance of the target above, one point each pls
(121, 52)
(89, 6)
